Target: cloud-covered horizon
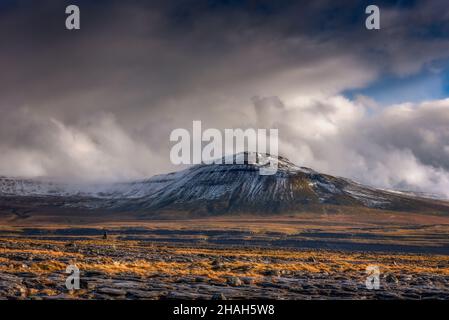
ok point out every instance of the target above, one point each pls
(403, 146)
(100, 103)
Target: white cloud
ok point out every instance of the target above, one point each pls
(403, 146)
(97, 150)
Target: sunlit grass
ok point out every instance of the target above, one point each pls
(236, 263)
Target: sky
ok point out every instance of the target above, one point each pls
(99, 103)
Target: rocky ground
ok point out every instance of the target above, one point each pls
(124, 269)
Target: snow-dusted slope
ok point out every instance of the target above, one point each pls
(224, 188)
(30, 187)
(44, 188)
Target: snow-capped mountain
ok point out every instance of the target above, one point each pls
(220, 189)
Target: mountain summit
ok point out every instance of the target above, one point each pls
(214, 189)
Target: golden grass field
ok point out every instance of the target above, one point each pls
(287, 257)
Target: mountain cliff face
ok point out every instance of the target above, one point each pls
(220, 189)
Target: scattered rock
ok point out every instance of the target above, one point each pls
(248, 280)
(201, 279)
(112, 291)
(234, 281)
(217, 265)
(218, 296)
(391, 278)
(272, 272)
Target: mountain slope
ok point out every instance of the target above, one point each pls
(219, 189)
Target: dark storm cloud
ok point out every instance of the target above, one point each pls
(100, 102)
(154, 50)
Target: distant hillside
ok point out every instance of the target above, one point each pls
(215, 189)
